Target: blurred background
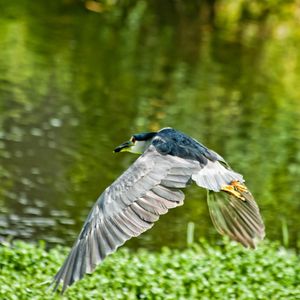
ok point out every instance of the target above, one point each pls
(77, 78)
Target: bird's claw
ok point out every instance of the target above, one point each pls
(235, 188)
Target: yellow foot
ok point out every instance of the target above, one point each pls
(235, 188)
(239, 186)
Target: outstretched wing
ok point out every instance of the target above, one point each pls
(127, 208)
(235, 213)
(232, 207)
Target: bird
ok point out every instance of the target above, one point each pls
(169, 161)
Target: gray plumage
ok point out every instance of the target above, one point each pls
(149, 188)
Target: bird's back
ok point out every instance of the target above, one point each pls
(173, 142)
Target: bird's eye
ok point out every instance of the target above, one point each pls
(133, 139)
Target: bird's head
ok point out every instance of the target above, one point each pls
(138, 143)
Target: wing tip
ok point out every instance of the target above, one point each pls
(54, 286)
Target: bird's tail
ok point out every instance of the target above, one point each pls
(235, 213)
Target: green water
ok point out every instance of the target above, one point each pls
(75, 83)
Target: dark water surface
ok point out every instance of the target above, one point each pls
(75, 83)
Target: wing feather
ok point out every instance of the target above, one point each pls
(116, 233)
(239, 219)
(127, 208)
(144, 214)
(152, 205)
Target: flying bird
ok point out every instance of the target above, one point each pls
(169, 161)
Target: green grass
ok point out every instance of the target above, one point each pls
(199, 272)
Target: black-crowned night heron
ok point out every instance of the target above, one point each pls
(170, 161)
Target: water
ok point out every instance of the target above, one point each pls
(74, 84)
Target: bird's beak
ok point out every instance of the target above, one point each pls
(124, 147)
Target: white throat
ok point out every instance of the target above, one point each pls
(139, 147)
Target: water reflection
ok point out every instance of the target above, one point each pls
(74, 84)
